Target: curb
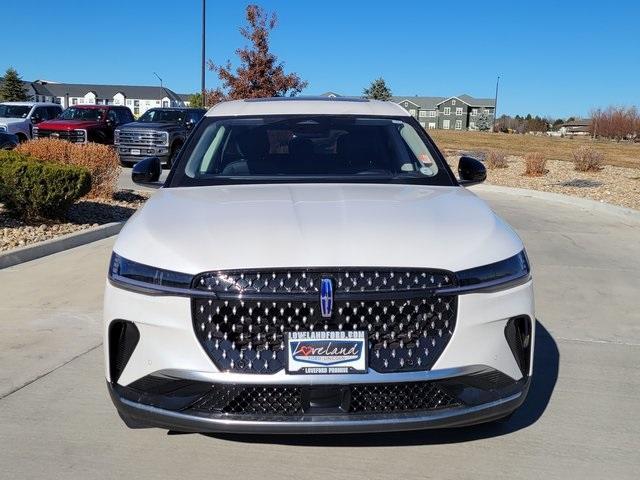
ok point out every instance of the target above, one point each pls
(582, 203)
(55, 245)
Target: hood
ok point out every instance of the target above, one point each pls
(149, 126)
(67, 124)
(195, 229)
(11, 120)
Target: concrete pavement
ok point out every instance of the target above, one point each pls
(578, 422)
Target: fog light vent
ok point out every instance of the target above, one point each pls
(518, 335)
(123, 338)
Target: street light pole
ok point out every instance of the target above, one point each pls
(158, 78)
(202, 88)
(495, 106)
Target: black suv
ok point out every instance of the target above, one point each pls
(160, 132)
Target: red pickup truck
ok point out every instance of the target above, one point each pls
(85, 123)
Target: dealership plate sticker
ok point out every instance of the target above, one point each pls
(326, 352)
(135, 151)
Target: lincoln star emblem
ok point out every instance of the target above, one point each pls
(326, 297)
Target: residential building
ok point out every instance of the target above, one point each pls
(449, 113)
(137, 97)
(577, 127)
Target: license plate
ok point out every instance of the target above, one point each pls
(135, 151)
(326, 352)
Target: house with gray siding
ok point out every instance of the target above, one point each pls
(448, 113)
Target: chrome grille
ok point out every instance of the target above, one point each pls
(141, 137)
(74, 136)
(244, 330)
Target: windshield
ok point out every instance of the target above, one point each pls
(344, 148)
(73, 113)
(14, 111)
(169, 116)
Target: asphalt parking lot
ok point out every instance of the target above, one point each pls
(579, 421)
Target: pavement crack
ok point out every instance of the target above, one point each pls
(589, 340)
(26, 384)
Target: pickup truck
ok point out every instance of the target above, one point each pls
(19, 118)
(85, 123)
(160, 132)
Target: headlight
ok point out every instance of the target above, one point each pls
(145, 279)
(496, 276)
(166, 139)
(3, 128)
(116, 137)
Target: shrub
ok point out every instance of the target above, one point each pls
(587, 159)
(31, 188)
(495, 159)
(535, 164)
(100, 160)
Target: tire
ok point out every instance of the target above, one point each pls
(22, 137)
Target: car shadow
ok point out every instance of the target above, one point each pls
(546, 367)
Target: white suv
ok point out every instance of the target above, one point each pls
(19, 118)
(313, 265)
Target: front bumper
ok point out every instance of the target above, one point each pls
(124, 152)
(497, 403)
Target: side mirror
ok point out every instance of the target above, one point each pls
(190, 123)
(471, 171)
(35, 119)
(146, 171)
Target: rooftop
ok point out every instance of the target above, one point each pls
(306, 105)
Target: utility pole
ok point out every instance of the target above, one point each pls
(158, 78)
(495, 106)
(202, 88)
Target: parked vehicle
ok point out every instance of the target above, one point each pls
(19, 118)
(314, 266)
(8, 141)
(86, 123)
(160, 132)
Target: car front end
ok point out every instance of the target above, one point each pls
(135, 142)
(302, 305)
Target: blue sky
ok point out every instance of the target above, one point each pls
(554, 58)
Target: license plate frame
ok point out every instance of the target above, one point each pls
(310, 353)
(135, 151)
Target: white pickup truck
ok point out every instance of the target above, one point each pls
(19, 118)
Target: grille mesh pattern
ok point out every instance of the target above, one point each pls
(399, 397)
(295, 281)
(266, 400)
(249, 335)
(290, 400)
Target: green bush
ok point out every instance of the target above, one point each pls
(31, 188)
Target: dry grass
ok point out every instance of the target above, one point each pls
(495, 159)
(587, 159)
(100, 160)
(555, 148)
(535, 164)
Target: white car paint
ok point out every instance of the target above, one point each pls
(304, 225)
(23, 127)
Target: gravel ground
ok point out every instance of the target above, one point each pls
(16, 233)
(616, 185)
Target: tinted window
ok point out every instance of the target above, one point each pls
(167, 116)
(54, 111)
(14, 111)
(73, 113)
(346, 148)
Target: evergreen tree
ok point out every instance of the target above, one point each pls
(378, 90)
(483, 122)
(11, 87)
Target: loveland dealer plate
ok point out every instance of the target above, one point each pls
(326, 352)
